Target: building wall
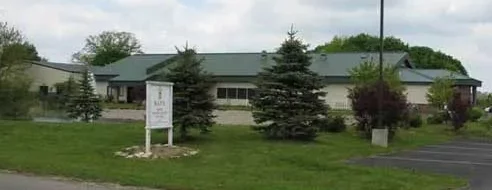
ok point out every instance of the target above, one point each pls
(336, 96)
(122, 93)
(417, 94)
(45, 76)
(102, 88)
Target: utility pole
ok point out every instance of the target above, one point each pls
(380, 90)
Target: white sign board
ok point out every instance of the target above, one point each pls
(159, 105)
(159, 110)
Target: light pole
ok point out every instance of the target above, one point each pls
(381, 49)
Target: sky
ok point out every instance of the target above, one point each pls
(58, 28)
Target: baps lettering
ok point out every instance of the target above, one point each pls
(159, 103)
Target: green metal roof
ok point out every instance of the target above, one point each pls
(132, 68)
(67, 67)
(245, 66)
(410, 76)
(137, 67)
(249, 64)
(439, 73)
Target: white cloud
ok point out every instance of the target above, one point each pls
(58, 28)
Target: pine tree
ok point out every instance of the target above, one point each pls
(289, 96)
(192, 104)
(85, 105)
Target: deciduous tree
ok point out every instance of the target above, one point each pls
(440, 92)
(15, 50)
(423, 57)
(458, 109)
(364, 98)
(108, 47)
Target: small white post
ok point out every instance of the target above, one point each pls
(170, 136)
(147, 141)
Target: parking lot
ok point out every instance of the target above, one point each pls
(471, 159)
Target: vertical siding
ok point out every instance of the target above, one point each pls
(336, 96)
(417, 94)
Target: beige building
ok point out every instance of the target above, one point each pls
(46, 74)
(235, 73)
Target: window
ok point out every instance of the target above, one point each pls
(242, 93)
(251, 93)
(221, 93)
(236, 93)
(232, 93)
(59, 90)
(43, 90)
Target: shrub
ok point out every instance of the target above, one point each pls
(333, 125)
(458, 109)
(435, 119)
(415, 121)
(337, 124)
(440, 92)
(15, 98)
(109, 99)
(365, 106)
(438, 118)
(474, 114)
(487, 123)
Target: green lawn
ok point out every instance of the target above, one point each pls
(231, 157)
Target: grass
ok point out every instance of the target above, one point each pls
(477, 130)
(232, 157)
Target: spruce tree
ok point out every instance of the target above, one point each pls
(192, 104)
(289, 101)
(85, 105)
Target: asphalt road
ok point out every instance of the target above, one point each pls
(21, 182)
(462, 158)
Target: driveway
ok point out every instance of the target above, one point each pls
(10, 181)
(229, 117)
(471, 159)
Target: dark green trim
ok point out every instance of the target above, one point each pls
(469, 82)
(126, 83)
(234, 78)
(104, 77)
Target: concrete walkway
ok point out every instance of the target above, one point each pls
(471, 159)
(10, 181)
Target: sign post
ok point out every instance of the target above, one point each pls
(159, 110)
